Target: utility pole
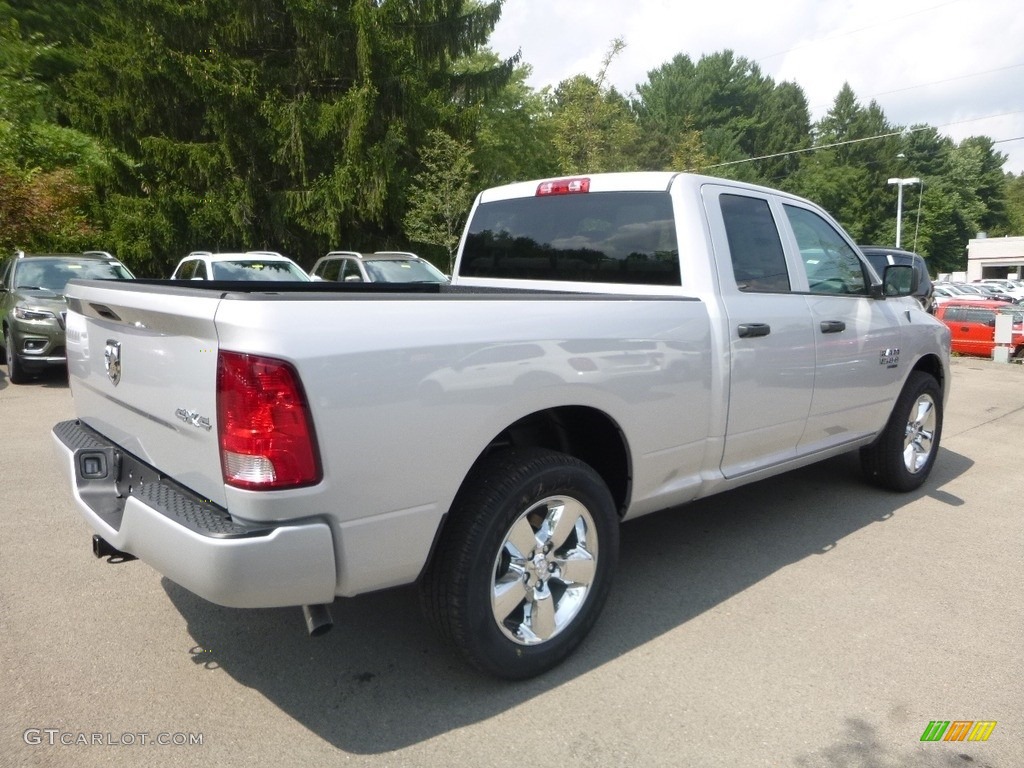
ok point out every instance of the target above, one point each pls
(900, 183)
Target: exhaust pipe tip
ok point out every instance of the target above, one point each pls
(318, 619)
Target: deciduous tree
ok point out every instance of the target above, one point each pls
(440, 194)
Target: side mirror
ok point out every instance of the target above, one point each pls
(899, 280)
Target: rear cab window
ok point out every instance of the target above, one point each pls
(599, 237)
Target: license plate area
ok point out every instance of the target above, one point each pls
(106, 476)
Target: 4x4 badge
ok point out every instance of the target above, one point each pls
(112, 360)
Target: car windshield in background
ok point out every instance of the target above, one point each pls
(402, 271)
(53, 274)
(602, 237)
(256, 270)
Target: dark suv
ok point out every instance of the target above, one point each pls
(880, 257)
(33, 307)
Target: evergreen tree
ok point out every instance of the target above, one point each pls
(738, 112)
(276, 124)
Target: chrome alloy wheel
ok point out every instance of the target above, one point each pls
(919, 440)
(544, 570)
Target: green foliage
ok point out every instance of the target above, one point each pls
(1013, 194)
(738, 112)
(593, 130)
(47, 171)
(43, 210)
(441, 194)
(511, 130)
(282, 124)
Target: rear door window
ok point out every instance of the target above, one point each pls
(758, 261)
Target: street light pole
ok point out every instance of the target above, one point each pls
(899, 202)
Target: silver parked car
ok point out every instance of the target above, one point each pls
(378, 267)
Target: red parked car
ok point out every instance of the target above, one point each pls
(972, 325)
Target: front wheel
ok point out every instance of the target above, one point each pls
(525, 563)
(902, 456)
(15, 372)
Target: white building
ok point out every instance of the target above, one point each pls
(996, 257)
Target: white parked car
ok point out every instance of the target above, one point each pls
(251, 265)
(1009, 287)
(947, 292)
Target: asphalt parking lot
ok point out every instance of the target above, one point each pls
(807, 620)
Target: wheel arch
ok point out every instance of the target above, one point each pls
(932, 365)
(584, 432)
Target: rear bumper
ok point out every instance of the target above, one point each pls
(187, 538)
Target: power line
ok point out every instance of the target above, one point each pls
(883, 22)
(902, 132)
(819, 146)
(949, 80)
(986, 117)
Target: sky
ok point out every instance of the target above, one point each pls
(956, 65)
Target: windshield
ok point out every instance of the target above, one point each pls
(403, 271)
(244, 269)
(53, 274)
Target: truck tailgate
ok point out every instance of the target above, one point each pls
(142, 363)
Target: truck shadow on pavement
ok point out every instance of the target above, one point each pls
(381, 680)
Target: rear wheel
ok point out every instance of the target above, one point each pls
(903, 455)
(526, 562)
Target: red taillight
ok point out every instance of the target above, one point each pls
(563, 187)
(266, 435)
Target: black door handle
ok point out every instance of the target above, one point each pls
(749, 330)
(832, 326)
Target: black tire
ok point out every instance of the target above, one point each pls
(902, 456)
(547, 603)
(15, 372)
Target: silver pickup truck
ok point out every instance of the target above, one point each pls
(610, 346)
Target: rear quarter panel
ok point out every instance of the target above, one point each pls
(407, 394)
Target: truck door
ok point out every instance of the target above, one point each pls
(858, 366)
(980, 337)
(770, 340)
